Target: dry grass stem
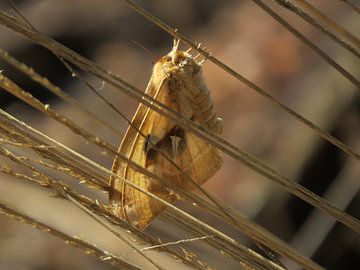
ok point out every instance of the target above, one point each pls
(338, 28)
(73, 241)
(32, 74)
(252, 85)
(240, 222)
(251, 257)
(47, 164)
(305, 16)
(217, 141)
(350, 4)
(90, 206)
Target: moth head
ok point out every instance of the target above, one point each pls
(178, 63)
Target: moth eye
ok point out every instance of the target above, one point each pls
(168, 58)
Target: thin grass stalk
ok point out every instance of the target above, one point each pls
(310, 197)
(43, 81)
(64, 191)
(305, 16)
(88, 201)
(253, 86)
(352, 5)
(245, 158)
(246, 226)
(338, 28)
(90, 206)
(209, 229)
(120, 84)
(311, 45)
(232, 72)
(61, 161)
(71, 240)
(233, 252)
(60, 93)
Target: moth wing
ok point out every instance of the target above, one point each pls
(195, 157)
(199, 161)
(129, 203)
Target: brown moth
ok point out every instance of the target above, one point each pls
(176, 82)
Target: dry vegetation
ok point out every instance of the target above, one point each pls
(286, 86)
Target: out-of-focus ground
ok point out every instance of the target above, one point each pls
(244, 37)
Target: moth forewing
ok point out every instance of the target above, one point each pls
(162, 146)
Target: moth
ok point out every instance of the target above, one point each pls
(176, 82)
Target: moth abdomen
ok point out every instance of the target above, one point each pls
(206, 110)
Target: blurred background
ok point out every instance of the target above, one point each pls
(246, 38)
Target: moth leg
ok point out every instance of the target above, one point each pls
(206, 58)
(196, 56)
(217, 126)
(130, 214)
(175, 143)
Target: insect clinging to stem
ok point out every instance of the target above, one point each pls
(161, 146)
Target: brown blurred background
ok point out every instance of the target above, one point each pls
(247, 39)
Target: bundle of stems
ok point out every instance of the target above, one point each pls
(41, 160)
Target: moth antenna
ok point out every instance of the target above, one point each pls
(175, 49)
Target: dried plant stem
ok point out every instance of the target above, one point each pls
(177, 242)
(232, 72)
(14, 89)
(245, 158)
(243, 224)
(54, 89)
(47, 181)
(62, 161)
(119, 84)
(321, 53)
(342, 191)
(217, 239)
(86, 204)
(350, 4)
(232, 251)
(112, 230)
(253, 86)
(207, 228)
(338, 28)
(74, 241)
(305, 16)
